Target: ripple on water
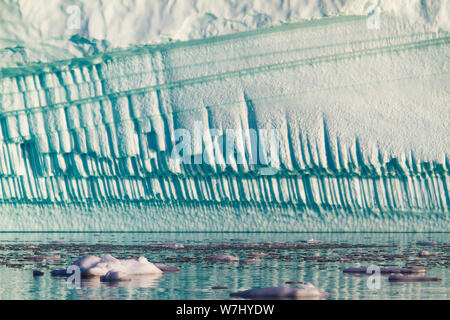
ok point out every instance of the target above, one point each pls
(282, 259)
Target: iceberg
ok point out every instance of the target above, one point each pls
(338, 127)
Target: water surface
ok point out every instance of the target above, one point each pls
(288, 259)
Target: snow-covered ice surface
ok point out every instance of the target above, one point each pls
(360, 108)
(43, 30)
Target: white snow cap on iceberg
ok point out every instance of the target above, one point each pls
(41, 30)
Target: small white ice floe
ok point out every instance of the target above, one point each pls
(409, 270)
(312, 241)
(95, 266)
(251, 260)
(406, 278)
(226, 258)
(425, 253)
(174, 246)
(42, 258)
(169, 245)
(166, 268)
(307, 290)
(257, 254)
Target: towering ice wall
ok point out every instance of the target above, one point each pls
(337, 125)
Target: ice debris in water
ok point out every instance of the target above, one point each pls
(406, 278)
(427, 243)
(257, 254)
(412, 269)
(307, 290)
(226, 258)
(44, 257)
(95, 266)
(165, 268)
(251, 260)
(425, 253)
(312, 241)
(59, 273)
(168, 245)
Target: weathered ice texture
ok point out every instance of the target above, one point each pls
(362, 119)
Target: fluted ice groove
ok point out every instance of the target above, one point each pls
(362, 118)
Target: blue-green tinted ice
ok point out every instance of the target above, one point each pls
(362, 117)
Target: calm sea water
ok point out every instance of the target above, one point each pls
(288, 259)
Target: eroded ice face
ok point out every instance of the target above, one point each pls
(359, 115)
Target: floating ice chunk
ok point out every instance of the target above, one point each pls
(425, 253)
(222, 258)
(168, 245)
(402, 278)
(252, 260)
(95, 266)
(165, 268)
(173, 246)
(52, 257)
(308, 290)
(312, 241)
(414, 269)
(42, 258)
(257, 254)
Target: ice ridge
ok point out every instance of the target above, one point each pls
(360, 117)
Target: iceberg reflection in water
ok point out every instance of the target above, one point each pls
(136, 281)
(87, 144)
